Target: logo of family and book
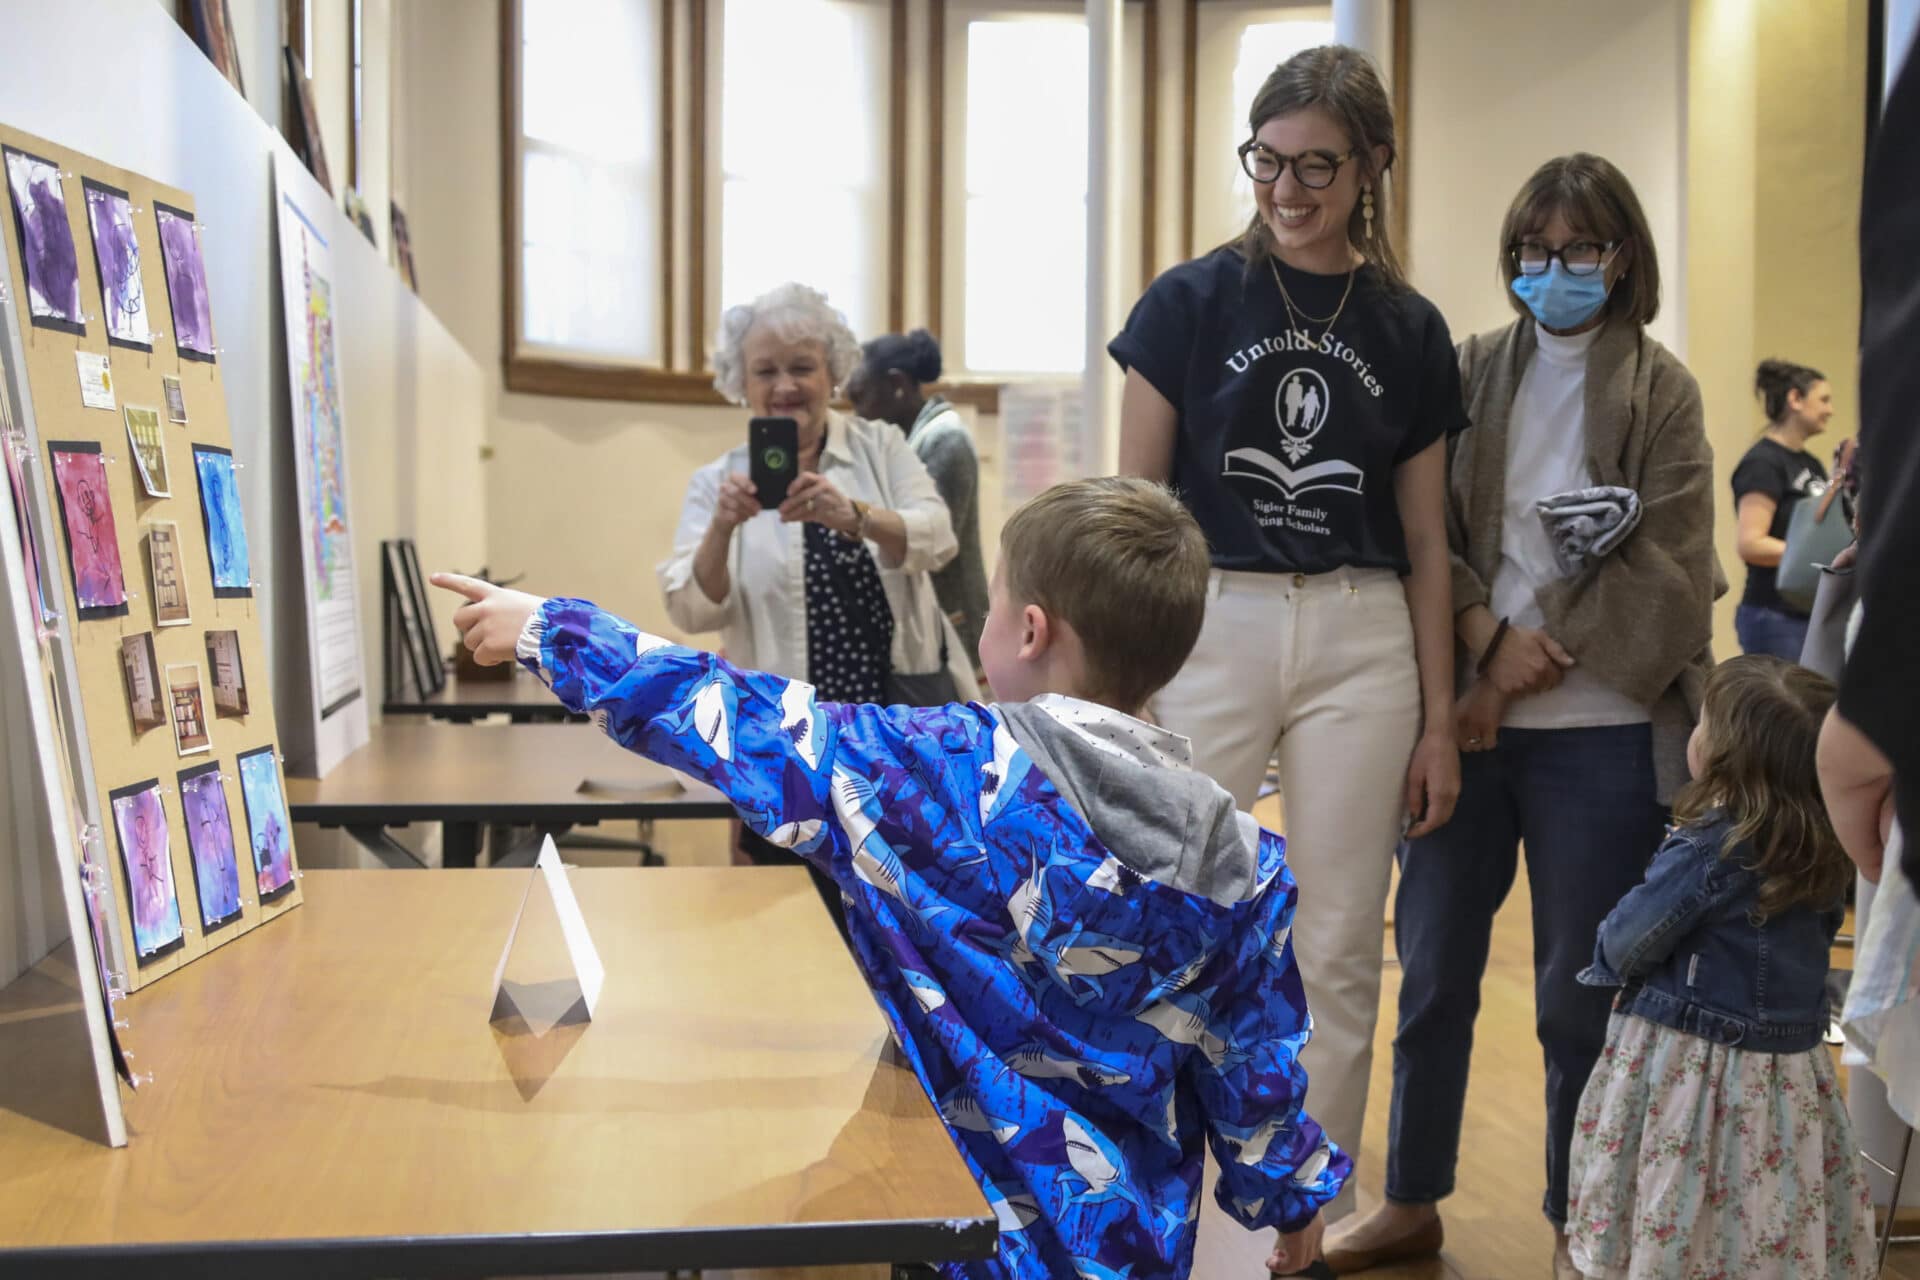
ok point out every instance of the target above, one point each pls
(1301, 407)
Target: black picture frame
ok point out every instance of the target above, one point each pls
(423, 615)
(405, 660)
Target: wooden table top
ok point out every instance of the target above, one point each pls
(330, 1098)
(522, 697)
(523, 774)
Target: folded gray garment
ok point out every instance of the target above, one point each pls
(1585, 524)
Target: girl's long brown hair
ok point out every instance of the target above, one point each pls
(1763, 720)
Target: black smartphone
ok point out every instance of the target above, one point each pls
(773, 458)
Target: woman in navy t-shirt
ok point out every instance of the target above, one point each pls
(1298, 394)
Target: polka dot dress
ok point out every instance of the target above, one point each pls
(849, 623)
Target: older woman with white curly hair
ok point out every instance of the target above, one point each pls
(832, 587)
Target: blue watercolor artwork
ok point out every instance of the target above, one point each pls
(220, 514)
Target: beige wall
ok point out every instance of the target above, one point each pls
(1776, 115)
(1497, 89)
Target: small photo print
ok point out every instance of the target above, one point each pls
(188, 707)
(267, 824)
(146, 855)
(149, 450)
(229, 678)
(176, 398)
(169, 578)
(216, 868)
(142, 672)
(96, 380)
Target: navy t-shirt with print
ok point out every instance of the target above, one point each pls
(1288, 441)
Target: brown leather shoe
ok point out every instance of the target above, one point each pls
(1348, 1260)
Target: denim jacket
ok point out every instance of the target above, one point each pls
(1686, 950)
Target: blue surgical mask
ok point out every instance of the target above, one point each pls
(1560, 299)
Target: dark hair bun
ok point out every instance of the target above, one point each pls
(1775, 378)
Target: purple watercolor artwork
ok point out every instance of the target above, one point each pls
(116, 251)
(146, 854)
(186, 283)
(93, 542)
(267, 824)
(46, 242)
(216, 870)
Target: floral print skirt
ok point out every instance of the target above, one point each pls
(1696, 1161)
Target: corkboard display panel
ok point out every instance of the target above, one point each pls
(126, 749)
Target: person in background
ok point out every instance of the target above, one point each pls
(1297, 393)
(1712, 1138)
(1775, 475)
(1083, 951)
(833, 586)
(1590, 643)
(890, 385)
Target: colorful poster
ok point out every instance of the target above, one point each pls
(146, 855)
(93, 540)
(321, 473)
(226, 527)
(116, 251)
(268, 827)
(186, 283)
(47, 254)
(216, 870)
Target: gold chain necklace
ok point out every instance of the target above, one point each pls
(1296, 315)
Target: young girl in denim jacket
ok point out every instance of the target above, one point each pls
(1712, 1139)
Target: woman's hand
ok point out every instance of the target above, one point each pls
(1528, 661)
(1433, 781)
(1295, 1251)
(1477, 716)
(735, 504)
(813, 499)
(491, 620)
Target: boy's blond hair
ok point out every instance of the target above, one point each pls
(1123, 563)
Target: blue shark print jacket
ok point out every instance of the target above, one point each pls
(1081, 948)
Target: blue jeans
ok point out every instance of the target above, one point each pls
(1582, 802)
(1763, 629)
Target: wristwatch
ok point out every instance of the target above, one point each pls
(863, 515)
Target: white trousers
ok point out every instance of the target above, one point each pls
(1318, 669)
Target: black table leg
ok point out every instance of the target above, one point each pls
(459, 844)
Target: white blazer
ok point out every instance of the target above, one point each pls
(763, 620)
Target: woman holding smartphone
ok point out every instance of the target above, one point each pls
(831, 584)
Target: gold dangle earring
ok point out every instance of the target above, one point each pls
(1366, 209)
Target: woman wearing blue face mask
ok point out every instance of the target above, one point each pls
(1583, 652)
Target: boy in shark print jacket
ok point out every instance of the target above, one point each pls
(1080, 945)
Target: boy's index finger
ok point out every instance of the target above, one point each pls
(471, 588)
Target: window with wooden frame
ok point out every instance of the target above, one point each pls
(589, 116)
(1011, 185)
(620, 252)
